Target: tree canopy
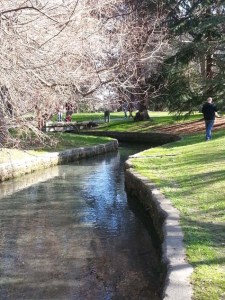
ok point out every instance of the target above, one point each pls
(195, 68)
(57, 51)
(165, 53)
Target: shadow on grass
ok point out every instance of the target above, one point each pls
(116, 125)
(171, 119)
(203, 160)
(195, 139)
(205, 234)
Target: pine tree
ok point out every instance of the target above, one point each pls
(195, 70)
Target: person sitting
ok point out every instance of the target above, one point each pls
(68, 118)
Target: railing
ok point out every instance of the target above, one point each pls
(69, 126)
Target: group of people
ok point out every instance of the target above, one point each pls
(128, 108)
(209, 111)
(69, 112)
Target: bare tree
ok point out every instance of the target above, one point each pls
(57, 51)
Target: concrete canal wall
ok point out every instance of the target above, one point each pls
(166, 220)
(175, 269)
(151, 138)
(33, 163)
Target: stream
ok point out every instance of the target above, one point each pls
(68, 232)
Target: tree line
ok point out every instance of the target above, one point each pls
(161, 54)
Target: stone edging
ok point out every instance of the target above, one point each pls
(165, 217)
(21, 167)
(152, 138)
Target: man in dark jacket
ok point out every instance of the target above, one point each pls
(209, 111)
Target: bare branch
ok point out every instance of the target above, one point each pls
(17, 9)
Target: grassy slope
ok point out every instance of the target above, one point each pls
(119, 123)
(65, 141)
(191, 173)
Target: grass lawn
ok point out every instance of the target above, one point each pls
(64, 141)
(97, 116)
(191, 173)
(119, 123)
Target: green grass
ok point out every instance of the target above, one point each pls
(69, 140)
(119, 123)
(97, 116)
(191, 173)
(62, 142)
(129, 125)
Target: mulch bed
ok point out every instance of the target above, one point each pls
(191, 127)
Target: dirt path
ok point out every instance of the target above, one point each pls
(191, 127)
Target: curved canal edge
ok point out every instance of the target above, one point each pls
(21, 167)
(176, 270)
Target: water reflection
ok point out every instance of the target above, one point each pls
(23, 182)
(73, 236)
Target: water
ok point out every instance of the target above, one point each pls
(68, 233)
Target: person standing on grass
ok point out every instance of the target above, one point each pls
(209, 111)
(107, 116)
(60, 113)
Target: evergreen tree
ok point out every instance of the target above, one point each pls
(195, 70)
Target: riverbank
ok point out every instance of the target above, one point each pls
(190, 173)
(149, 138)
(175, 270)
(35, 161)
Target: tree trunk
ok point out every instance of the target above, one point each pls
(3, 129)
(209, 70)
(209, 64)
